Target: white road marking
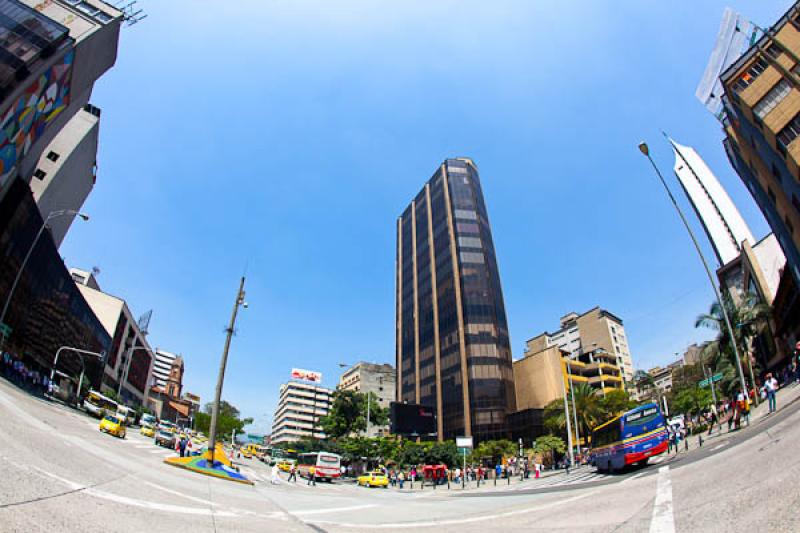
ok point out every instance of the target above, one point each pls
(640, 474)
(663, 520)
(455, 521)
(333, 510)
(134, 502)
(718, 446)
(143, 446)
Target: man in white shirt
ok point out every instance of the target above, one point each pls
(771, 385)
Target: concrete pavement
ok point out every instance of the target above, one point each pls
(61, 474)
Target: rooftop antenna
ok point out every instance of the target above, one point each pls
(144, 322)
(131, 13)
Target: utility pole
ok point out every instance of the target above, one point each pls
(212, 440)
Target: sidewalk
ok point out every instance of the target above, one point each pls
(784, 397)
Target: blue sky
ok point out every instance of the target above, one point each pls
(287, 136)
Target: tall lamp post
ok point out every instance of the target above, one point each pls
(212, 440)
(569, 426)
(81, 353)
(574, 412)
(51, 216)
(646, 152)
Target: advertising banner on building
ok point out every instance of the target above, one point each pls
(307, 375)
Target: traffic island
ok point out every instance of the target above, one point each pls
(221, 467)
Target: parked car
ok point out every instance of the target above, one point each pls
(147, 431)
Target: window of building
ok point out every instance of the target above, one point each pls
(788, 134)
(774, 51)
(40, 174)
(776, 172)
(750, 75)
(52, 156)
(91, 10)
(771, 100)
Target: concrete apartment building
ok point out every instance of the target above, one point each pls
(129, 363)
(66, 172)
(53, 52)
(762, 124)
(300, 406)
(380, 380)
(452, 348)
(543, 376)
(594, 330)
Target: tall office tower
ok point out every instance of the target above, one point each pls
(453, 351)
(762, 126)
(52, 53)
(724, 225)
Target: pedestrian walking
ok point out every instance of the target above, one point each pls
(274, 480)
(312, 476)
(771, 385)
(292, 474)
(401, 477)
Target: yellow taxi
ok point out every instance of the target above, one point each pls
(147, 431)
(285, 465)
(249, 451)
(113, 425)
(376, 478)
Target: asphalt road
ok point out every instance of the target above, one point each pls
(59, 473)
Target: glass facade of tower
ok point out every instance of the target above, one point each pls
(453, 350)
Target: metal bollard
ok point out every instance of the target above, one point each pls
(700, 441)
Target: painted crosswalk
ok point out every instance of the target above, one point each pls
(574, 477)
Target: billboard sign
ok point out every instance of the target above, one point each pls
(736, 35)
(464, 442)
(307, 375)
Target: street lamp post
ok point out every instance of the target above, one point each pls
(569, 428)
(51, 216)
(81, 353)
(574, 412)
(646, 152)
(212, 440)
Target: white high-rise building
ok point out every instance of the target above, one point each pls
(724, 225)
(161, 367)
(300, 407)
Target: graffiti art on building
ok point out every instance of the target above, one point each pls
(27, 118)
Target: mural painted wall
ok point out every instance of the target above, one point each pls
(31, 114)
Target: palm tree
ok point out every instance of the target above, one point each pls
(645, 384)
(587, 409)
(748, 319)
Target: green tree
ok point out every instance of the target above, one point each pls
(614, 403)
(588, 409)
(748, 319)
(548, 446)
(691, 400)
(348, 414)
(227, 420)
(493, 450)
